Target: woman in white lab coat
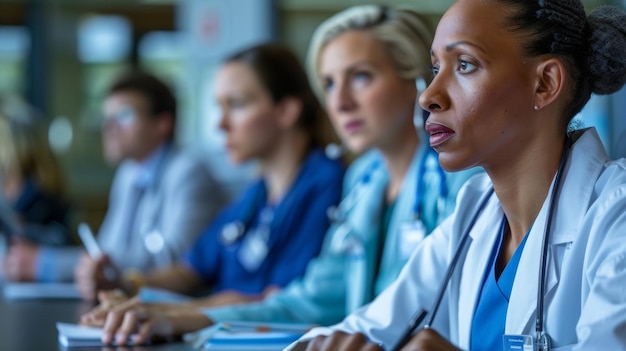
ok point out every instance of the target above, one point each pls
(509, 75)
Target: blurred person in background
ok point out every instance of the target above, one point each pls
(266, 237)
(161, 197)
(365, 62)
(32, 187)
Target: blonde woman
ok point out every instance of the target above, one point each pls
(534, 256)
(364, 63)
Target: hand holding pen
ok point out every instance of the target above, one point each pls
(94, 271)
(426, 339)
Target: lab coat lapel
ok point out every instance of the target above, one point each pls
(574, 196)
(482, 239)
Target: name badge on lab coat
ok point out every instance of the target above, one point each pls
(254, 249)
(411, 233)
(517, 343)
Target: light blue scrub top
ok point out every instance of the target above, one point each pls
(490, 316)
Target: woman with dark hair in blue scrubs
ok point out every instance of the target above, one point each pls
(368, 64)
(266, 237)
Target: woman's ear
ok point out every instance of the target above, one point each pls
(550, 82)
(289, 111)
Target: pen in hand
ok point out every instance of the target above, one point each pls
(413, 324)
(94, 251)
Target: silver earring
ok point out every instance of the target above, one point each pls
(536, 107)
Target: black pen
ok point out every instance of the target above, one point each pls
(413, 324)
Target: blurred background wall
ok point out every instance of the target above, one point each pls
(60, 55)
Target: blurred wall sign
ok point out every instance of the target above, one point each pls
(213, 30)
(217, 27)
(208, 26)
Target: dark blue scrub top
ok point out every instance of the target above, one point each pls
(296, 231)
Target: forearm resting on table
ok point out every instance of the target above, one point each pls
(177, 278)
(185, 320)
(223, 298)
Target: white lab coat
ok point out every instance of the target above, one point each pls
(585, 299)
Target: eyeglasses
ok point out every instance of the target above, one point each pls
(123, 118)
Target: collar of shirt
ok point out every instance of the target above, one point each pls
(145, 172)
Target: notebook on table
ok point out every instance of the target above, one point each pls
(247, 336)
(240, 336)
(74, 335)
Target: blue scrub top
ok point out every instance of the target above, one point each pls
(296, 231)
(490, 316)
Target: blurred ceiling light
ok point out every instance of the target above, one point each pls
(14, 41)
(104, 39)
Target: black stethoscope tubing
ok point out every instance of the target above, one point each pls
(539, 322)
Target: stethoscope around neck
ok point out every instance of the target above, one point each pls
(343, 239)
(542, 338)
(234, 231)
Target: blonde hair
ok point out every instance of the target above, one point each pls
(24, 149)
(405, 32)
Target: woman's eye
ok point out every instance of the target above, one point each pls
(466, 67)
(327, 85)
(434, 70)
(236, 103)
(360, 79)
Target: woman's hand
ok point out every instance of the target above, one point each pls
(92, 275)
(424, 340)
(340, 341)
(108, 300)
(429, 340)
(134, 321)
(138, 322)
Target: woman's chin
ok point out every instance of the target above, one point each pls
(358, 146)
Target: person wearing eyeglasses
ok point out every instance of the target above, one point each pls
(161, 197)
(364, 63)
(265, 238)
